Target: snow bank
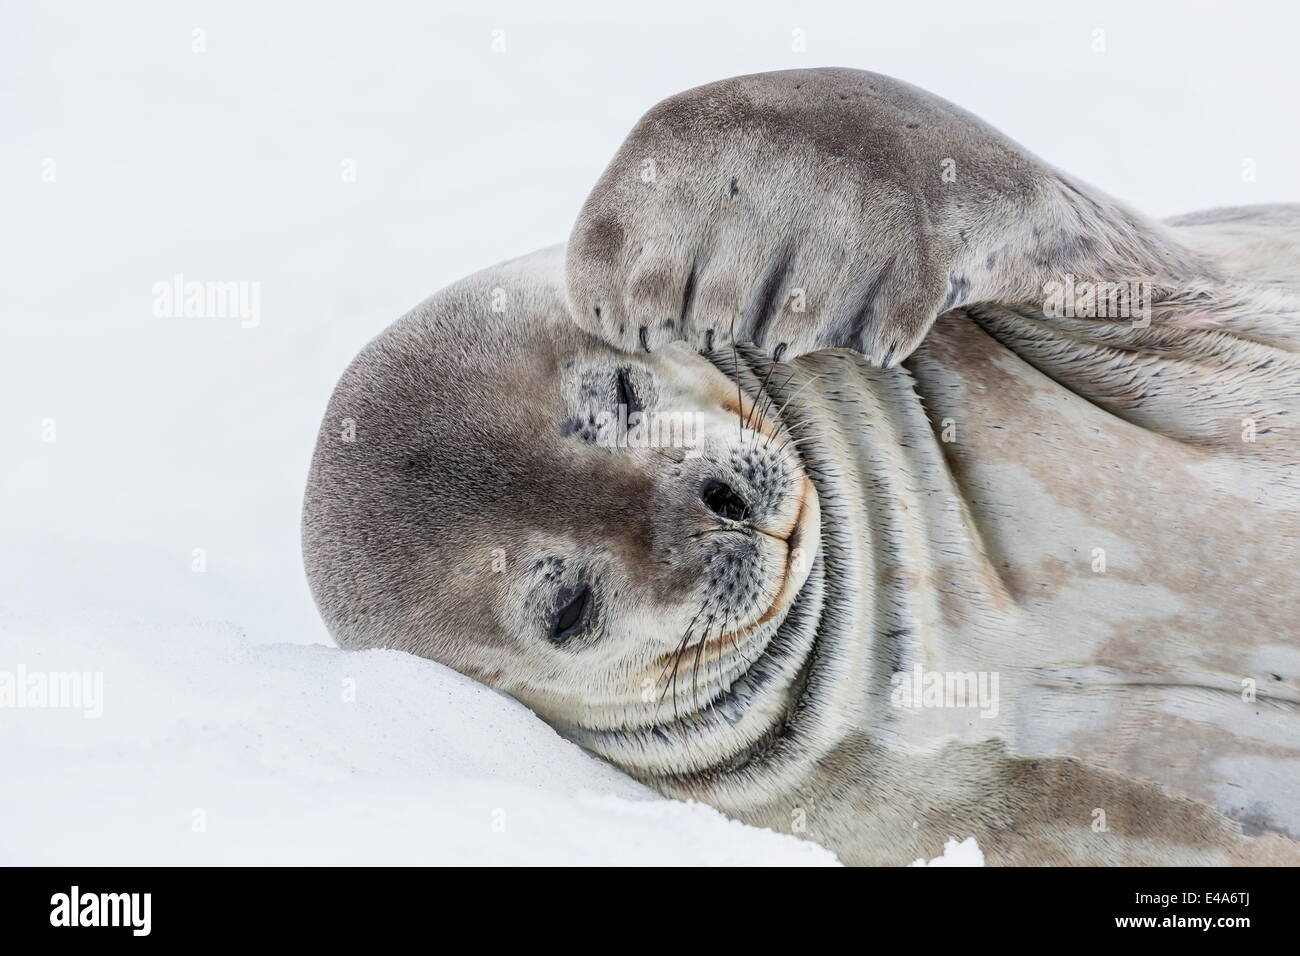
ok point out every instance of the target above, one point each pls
(195, 746)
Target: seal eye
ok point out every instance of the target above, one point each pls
(626, 397)
(572, 616)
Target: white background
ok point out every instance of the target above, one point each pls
(179, 434)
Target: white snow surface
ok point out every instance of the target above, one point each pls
(965, 853)
(350, 160)
(201, 747)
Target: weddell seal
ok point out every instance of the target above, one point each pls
(856, 472)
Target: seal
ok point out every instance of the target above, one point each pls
(1030, 582)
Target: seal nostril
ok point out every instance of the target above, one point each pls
(722, 500)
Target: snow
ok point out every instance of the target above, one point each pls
(198, 746)
(965, 853)
(137, 447)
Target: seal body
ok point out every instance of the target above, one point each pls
(1107, 588)
(1032, 583)
(1075, 650)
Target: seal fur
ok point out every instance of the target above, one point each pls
(1123, 735)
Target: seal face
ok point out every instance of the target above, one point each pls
(618, 541)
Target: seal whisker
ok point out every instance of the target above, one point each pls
(763, 397)
(781, 411)
(695, 673)
(735, 645)
(721, 668)
(735, 365)
(673, 666)
(768, 399)
(769, 396)
(794, 441)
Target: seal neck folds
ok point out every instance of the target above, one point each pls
(889, 519)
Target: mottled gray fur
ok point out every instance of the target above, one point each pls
(1101, 513)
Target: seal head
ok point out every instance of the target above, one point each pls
(616, 540)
